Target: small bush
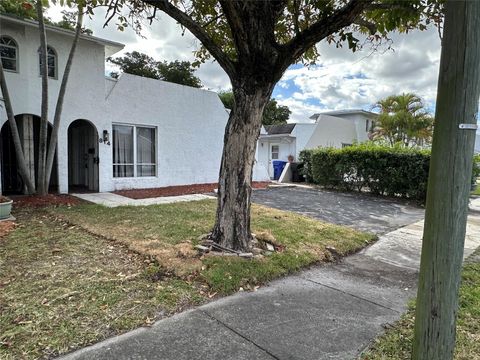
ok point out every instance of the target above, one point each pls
(383, 170)
(476, 168)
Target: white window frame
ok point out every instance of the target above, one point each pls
(15, 46)
(277, 152)
(135, 163)
(55, 66)
(135, 151)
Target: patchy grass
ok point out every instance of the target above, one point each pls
(71, 276)
(62, 288)
(396, 343)
(476, 191)
(168, 233)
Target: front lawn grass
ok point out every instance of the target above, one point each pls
(396, 344)
(169, 232)
(73, 276)
(62, 288)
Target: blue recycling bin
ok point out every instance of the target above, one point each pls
(278, 166)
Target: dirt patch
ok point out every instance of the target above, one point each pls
(33, 201)
(6, 227)
(178, 190)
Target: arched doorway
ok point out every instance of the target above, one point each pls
(29, 131)
(82, 156)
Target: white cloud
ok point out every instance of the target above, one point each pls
(163, 40)
(345, 80)
(341, 80)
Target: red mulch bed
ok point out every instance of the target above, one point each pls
(177, 190)
(42, 201)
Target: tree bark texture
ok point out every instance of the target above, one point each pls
(258, 64)
(232, 225)
(449, 183)
(52, 146)
(22, 166)
(42, 143)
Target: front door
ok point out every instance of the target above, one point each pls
(83, 157)
(273, 154)
(91, 166)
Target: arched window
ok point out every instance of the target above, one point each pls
(51, 61)
(9, 53)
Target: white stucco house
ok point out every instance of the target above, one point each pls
(333, 128)
(133, 132)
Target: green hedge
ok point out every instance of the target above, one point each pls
(383, 170)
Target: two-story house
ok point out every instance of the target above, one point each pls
(131, 132)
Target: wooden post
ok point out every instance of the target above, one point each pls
(448, 183)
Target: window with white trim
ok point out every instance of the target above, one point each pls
(275, 152)
(9, 53)
(134, 151)
(51, 62)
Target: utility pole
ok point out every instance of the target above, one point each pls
(449, 182)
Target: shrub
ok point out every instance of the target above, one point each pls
(306, 158)
(475, 169)
(383, 170)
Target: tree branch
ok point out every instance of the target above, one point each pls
(22, 166)
(57, 118)
(185, 20)
(318, 31)
(233, 14)
(372, 28)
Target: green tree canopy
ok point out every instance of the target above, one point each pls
(179, 72)
(403, 120)
(272, 114)
(137, 63)
(26, 10)
(22, 9)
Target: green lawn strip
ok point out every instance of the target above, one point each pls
(476, 191)
(156, 230)
(62, 288)
(396, 343)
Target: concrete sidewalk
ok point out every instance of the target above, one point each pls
(113, 200)
(328, 312)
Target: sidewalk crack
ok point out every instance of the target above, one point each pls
(239, 334)
(352, 295)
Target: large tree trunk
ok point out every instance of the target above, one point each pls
(232, 225)
(448, 183)
(42, 143)
(22, 166)
(52, 146)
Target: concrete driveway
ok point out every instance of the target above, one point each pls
(361, 211)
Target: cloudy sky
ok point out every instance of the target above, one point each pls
(340, 79)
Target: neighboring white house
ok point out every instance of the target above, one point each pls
(333, 128)
(477, 143)
(133, 132)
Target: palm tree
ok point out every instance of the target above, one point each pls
(403, 120)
